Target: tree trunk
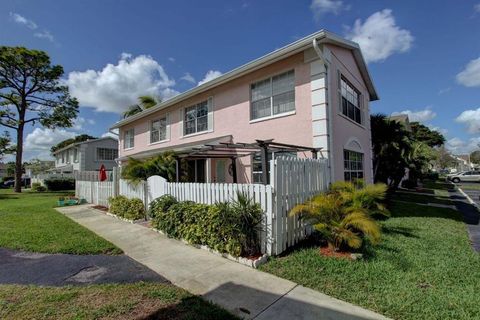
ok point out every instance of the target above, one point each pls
(19, 155)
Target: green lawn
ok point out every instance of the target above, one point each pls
(419, 198)
(29, 222)
(126, 301)
(423, 269)
(470, 186)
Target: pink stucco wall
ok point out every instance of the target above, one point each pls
(231, 106)
(231, 112)
(343, 128)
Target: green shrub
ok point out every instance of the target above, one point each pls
(161, 205)
(131, 209)
(58, 184)
(225, 227)
(37, 187)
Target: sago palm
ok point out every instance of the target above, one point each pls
(363, 197)
(342, 224)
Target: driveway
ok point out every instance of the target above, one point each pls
(19, 267)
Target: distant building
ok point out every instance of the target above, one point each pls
(86, 156)
(403, 119)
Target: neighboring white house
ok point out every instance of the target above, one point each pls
(86, 156)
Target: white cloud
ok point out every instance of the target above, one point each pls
(81, 122)
(188, 77)
(438, 129)
(459, 146)
(19, 19)
(39, 141)
(418, 115)
(471, 119)
(476, 7)
(320, 7)
(44, 35)
(24, 21)
(116, 87)
(379, 36)
(210, 75)
(171, 59)
(444, 90)
(470, 76)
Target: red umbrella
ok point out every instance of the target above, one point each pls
(102, 175)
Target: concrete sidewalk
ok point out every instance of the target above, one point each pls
(244, 291)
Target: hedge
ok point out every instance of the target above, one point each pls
(37, 187)
(58, 184)
(226, 227)
(131, 209)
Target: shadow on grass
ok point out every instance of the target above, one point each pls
(406, 209)
(190, 308)
(403, 231)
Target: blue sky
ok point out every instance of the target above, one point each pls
(424, 58)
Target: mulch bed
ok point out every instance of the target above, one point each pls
(329, 252)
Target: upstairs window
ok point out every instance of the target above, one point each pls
(195, 118)
(158, 130)
(350, 103)
(273, 96)
(107, 154)
(129, 138)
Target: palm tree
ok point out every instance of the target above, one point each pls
(145, 102)
(163, 165)
(343, 215)
(391, 148)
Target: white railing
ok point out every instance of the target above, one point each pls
(293, 181)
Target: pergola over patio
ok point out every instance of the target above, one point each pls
(233, 151)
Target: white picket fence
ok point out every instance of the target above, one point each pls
(95, 192)
(292, 182)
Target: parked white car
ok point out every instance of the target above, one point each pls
(470, 176)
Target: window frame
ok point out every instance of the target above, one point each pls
(165, 117)
(114, 153)
(271, 97)
(348, 169)
(75, 155)
(270, 156)
(131, 139)
(206, 116)
(359, 97)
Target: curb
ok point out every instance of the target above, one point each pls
(468, 197)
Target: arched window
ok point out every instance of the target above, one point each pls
(353, 160)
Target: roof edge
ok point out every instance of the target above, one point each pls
(267, 59)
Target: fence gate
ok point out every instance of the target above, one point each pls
(295, 181)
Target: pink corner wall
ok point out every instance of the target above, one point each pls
(231, 106)
(344, 129)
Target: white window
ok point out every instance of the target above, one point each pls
(75, 155)
(158, 130)
(273, 96)
(350, 101)
(196, 118)
(106, 154)
(353, 165)
(128, 138)
(257, 163)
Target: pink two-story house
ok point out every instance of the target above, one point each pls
(314, 92)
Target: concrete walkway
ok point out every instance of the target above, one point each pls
(246, 292)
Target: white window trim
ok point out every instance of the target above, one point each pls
(210, 119)
(124, 139)
(362, 122)
(270, 78)
(167, 129)
(280, 115)
(96, 154)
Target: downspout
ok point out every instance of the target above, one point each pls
(328, 111)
